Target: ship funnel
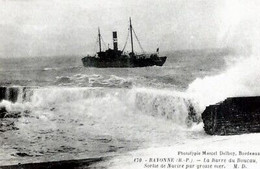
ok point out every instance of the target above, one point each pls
(115, 40)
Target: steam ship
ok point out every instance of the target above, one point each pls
(118, 58)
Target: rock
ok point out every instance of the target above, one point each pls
(9, 93)
(2, 93)
(8, 118)
(12, 93)
(23, 154)
(7, 124)
(6, 114)
(14, 114)
(3, 112)
(235, 115)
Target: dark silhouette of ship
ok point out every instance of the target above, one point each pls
(119, 58)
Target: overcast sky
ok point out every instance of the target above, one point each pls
(69, 27)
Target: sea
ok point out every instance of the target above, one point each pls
(73, 112)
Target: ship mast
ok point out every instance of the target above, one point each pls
(99, 40)
(131, 34)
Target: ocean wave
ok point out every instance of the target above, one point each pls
(94, 80)
(114, 119)
(48, 68)
(173, 105)
(60, 68)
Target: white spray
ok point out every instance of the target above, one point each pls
(242, 78)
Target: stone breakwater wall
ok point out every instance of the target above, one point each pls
(235, 115)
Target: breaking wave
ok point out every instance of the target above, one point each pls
(94, 81)
(240, 79)
(175, 106)
(82, 118)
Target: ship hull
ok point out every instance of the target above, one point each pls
(126, 62)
